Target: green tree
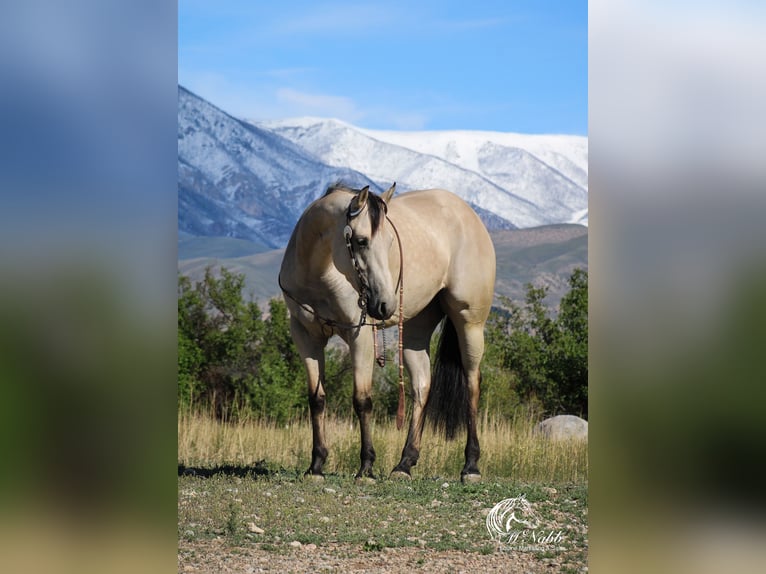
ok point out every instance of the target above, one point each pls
(277, 388)
(536, 359)
(569, 361)
(219, 340)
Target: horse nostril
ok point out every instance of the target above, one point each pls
(383, 309)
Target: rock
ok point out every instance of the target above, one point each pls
(563, 427)
(253, 528)
(295, 544)
(310, 547)
(550, 491)
(330, 490)
(445, 485)
(314, 477)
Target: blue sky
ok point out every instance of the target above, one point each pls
(505, 65)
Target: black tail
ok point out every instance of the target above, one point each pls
(447, 405)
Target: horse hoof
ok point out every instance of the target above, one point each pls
(313, 477)
(400, 475)
(470, 478)
(364, 480)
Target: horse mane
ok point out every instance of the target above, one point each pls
(375, 204)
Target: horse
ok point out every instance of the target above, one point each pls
(349, 256)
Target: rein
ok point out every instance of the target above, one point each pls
(332, 323)
(400, 286)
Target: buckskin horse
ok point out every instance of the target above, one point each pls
(357, 260)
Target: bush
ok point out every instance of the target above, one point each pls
(229, 357)
(540, 360)
(236, 361)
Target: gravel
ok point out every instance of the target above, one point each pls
(214, 556)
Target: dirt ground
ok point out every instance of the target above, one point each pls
(214, 556)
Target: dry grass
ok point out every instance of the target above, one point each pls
(509, 448)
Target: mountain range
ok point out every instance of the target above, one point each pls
(526, 180)
(238, 180)
(242, 185)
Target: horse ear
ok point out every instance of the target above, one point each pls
(359, 201)
(388, 194)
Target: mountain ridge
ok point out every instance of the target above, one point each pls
(243, 185)
(238, 180)
(528, 180)
(544, 256)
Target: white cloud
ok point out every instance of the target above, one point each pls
(266, 102)
(351, 19)
(298, 103)
(289, 73)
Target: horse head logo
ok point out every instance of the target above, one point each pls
(510, 515)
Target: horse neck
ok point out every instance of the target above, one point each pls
(314, 241)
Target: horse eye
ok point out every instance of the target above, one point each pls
(362, 242)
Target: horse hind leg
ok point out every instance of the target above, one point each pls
(471, 340)
(418, 366)
(417, 339)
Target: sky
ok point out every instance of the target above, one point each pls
(505, 65)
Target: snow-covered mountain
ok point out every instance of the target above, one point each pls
(238, 180)
(528, 180)
(253, 180)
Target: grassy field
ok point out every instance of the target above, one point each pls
(508, 449)
(243, 502)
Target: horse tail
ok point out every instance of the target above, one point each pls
(447, 404)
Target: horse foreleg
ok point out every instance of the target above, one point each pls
(361, 348)
(311, 350)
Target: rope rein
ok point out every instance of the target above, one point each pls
(400, 407)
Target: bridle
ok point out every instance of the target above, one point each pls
(364, 285)
(364, 288)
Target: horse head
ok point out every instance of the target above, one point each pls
(369, 241)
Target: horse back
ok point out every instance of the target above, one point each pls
(447, 239)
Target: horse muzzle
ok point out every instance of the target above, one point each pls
(380, 310)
